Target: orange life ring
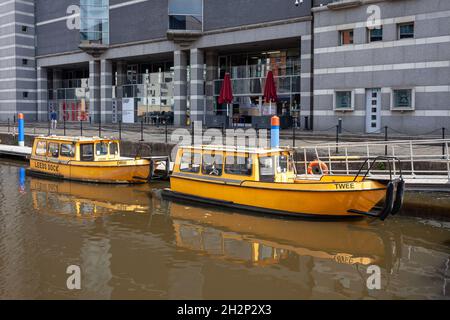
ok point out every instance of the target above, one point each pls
(316, 166)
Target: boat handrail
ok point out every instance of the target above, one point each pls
(389, 160)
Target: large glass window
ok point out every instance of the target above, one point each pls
(248, 73)
(186, 14)
(94, 15)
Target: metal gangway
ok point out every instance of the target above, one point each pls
(424, 164)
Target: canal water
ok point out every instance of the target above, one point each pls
(129, 244)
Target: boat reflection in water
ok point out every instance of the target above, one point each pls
(163, 249)
(268, 240)
(87, 200)
(239, 237)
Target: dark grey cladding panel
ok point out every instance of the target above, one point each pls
(318, 3)
(141, 21)
(114, 2)
(52, 9)
(56, 38)
(232, 13)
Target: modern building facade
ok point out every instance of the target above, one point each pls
(122, 60)
(382, 63)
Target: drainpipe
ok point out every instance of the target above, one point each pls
(311, 96)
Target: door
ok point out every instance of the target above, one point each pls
(373, 110)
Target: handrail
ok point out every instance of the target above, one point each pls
(419, 158)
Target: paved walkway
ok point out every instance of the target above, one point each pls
(151, 133)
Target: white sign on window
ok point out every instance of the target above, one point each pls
(128, 110)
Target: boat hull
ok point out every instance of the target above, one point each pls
(315, 200)
(120, 172)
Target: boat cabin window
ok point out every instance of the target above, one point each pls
(101, 149)
(87, 152)
(68, 150)
(41, 148)
(212, 164)
(285, 163)
(53, 150)
(113, 149)
(266, 169)
(239, 166)
(190, 162)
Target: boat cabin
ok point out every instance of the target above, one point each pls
(236, 164)
(76, 149)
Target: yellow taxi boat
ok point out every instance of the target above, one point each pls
(265, 181)
(89, 159)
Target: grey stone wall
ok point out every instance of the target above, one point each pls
(422, 63)
(220, 14)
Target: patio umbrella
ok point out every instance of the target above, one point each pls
(270, 90)
(226, 92)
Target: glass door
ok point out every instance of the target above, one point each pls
(373, 110)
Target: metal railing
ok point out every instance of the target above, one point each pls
(420, 159)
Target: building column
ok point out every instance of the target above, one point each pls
(42, 94)
(121, 69)
(197, 85)
(106, 91)
(57, 81)
(211, 75)
(306, 87)
(180, 88)
(94, 90)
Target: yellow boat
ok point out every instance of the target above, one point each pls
(89, 159)
(265, 181)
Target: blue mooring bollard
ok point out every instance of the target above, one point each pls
(21, 130)
(275, 132)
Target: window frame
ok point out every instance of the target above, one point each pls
(369, 34)
(103, 154)
(235, 157)
(82, 157)
(73, 150)
(117, 150)
(51, 155)
(44, 154)
(192, 155)
(352, 102)
(341, 37)
(169, 15)
(86, 29)
(217, 154)
(274, 169)
(399, 25)
(413, 99)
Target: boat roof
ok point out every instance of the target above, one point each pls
(236, 149)
(75, 139)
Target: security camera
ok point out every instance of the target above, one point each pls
(298, 2)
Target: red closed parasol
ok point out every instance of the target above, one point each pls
(226, 92)
(270, 90)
